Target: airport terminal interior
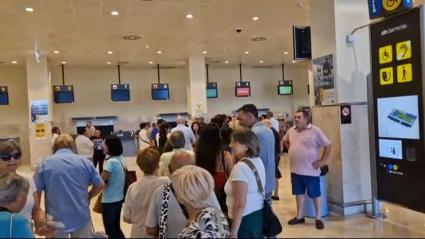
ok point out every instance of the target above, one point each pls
(339, 83)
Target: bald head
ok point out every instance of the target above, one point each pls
(179, 160)
(180, 120)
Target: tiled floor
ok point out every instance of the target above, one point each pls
(335, 226)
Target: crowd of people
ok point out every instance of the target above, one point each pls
(198, 182)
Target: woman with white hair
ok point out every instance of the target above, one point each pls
(13, 195)
(193, 187)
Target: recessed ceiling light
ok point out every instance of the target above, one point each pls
(189, 16)
(115, 13)
(29, 9)
(56, 51)
(159, 52)
(109, 52)
(14, 62)
(151, 62)
(108, 62)
(286, 53)
(255, 18)
(63, 62)
(204, 52)
(246, 52)
(147, 46)
(261, 61)
(227, 62)
(293, 61)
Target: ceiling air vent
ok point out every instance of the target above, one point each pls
(132, 37)
(258, 38)
(214, 61)
(262, 66)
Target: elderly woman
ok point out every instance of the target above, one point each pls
(244, 201)
(193, 187)
(13, 195)
(11, 155)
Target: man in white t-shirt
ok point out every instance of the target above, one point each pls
(176, 218)
(188, 133)
(84, 145)
(275, 123)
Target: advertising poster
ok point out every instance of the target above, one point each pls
(324, 80)
(39, 111)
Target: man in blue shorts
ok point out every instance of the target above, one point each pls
(304, 142)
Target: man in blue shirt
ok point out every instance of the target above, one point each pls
(65, 177)
(248, 117)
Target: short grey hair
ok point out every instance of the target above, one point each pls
(177, 140)
(11, 186)
(193, 186)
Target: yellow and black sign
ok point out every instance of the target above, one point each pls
(386, 76)
(404, 73)
(40, 130)
(385, 54)
(404, 50)
(391, 5)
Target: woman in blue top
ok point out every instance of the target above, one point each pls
(13, 196)
(113, 195)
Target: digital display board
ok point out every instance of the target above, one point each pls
(285, 88)
(63, 94)
(212, 91)
(160, 92)
(381, 8)
(120, 92)
(397, 88)
(242, 89)
(4, 95)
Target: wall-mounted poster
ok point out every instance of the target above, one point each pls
(324, 80)
(39, 111)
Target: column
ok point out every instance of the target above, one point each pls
(197, 95)
(349, 180)
(40, 109)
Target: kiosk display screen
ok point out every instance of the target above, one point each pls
(4, 95)
(63, 94)
(120, 92)
(243, 89)
(398, 117)
(160, 92)
(390, 149)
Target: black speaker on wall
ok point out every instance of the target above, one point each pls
(302, 43)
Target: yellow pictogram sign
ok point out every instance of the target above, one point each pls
(391, 5)
(386, 76)
(404, 73)
(385, 54)
(404, 50)
(40, 130)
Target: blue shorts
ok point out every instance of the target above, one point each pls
(301, 183)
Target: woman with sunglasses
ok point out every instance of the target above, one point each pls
(210, 155)
(10, 161)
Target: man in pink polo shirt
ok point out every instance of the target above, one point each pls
(304, 142)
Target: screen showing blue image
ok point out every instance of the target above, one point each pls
(63, 94)
(120, 92)
(212, 93)
(4, 95)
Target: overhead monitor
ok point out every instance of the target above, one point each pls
(4, 95)
(398, 117)
(63, 94)
(285, 88)
(212, 91)
(160, 92)
(242, 89)
(301, 42)
(120, 92)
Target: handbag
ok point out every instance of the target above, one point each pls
(129, 178)
(97, 208)
(271, 223)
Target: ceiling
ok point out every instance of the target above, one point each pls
(84, 30)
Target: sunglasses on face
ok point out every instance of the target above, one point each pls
(7, 157)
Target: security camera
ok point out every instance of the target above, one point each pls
(239, 30)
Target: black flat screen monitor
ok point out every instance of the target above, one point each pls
(63, 94)
(242, 89)
(301, 43)
(285, 88)
(4, 95)
(160, 92)
(212, 91)
(120, 92)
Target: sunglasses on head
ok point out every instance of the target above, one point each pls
(7, 157)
